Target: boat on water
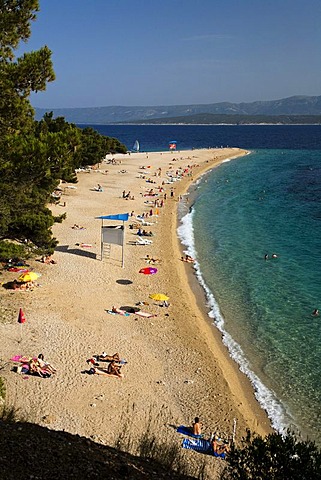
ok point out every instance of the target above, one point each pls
(136, 146)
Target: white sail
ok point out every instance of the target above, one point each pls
(136, 146)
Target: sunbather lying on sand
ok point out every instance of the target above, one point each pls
(152, 260)
(104, 357)
(78, 227)
(35, 369)
(15, 285)
(220, 447)
(113, 370)
(45, 366)
(119, 311)
(188, 259)
(145, 314)
(47, 259)
(24, 286)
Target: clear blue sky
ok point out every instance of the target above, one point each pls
(170, 52)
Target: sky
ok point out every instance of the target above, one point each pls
(177, 52)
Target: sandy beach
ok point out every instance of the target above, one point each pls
(177, 366)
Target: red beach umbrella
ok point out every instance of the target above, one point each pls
(148, 270)
(21, 320)
(21, 316)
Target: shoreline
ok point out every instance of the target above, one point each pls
(177, 364)
(240, 387)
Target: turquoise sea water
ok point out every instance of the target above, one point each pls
(267, 202)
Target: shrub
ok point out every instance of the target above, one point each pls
(11, 250)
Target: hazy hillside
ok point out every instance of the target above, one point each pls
(298, 105)
(214, 119)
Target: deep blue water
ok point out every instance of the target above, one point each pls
(156, 137)
(266, 202)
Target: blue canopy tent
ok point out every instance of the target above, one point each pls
(113, 234)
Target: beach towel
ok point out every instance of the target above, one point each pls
(202, 446)
(187, 431)
(22, 358)
(121, 312)
(143, 241)
(145, 314)
(18, 269)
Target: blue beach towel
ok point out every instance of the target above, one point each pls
(125, 314)
(187, 431)
(202, 446)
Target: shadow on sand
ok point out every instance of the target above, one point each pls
(76, 251)
(124, 281)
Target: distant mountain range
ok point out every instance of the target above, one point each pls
(291, 106)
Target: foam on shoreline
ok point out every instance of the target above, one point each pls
(280, 419)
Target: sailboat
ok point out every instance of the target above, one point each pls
(136, 146)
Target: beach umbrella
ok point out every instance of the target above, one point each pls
(159, 297)
(148, 270)
(21, 316)
(21, 320)
(28, 277)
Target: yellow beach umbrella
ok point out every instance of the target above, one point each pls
(159, 297)
(28, 277)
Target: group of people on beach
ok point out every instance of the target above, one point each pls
(219, 447)
(188, 259)
(36, 366)
(111, 365)
(114, 366)
(144, 233)
(24, 286)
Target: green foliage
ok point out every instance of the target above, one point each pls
(10, 414)
(60, 218)
(11, 250)
(275, 457)
(19, 77)
(34, 156)
(16, 15)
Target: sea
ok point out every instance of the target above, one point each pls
(243, 212)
